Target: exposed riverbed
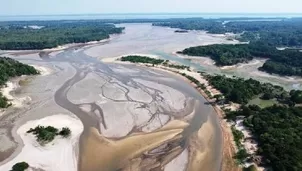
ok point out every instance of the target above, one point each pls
(134, 118)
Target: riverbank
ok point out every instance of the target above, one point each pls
(16, 83)
(228, 149)
(59, 48)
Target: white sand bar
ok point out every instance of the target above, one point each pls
(58, 155)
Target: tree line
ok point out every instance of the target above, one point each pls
(11, 68)
(283, 62)
(278, 130)
(274, 31)
(20, 36)
(241, 91)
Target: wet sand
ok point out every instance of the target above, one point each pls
(83, 86)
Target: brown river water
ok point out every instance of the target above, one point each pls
(134, 118)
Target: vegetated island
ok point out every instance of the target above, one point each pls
(21, 36)
(276, 127)
(153, 61)
(22, 166)
(11, 68)
(283, 62)
(47, 134)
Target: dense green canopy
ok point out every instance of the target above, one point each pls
(276, 32)
(241, 91)
(278, 130)
(17, 36)
(11, 68)
(283, 62)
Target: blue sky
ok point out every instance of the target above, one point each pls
(46, 7)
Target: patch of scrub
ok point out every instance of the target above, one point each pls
(262, 103)
(59, 155)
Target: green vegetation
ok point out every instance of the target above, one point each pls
(148, 60)
(250, 168)
(238, 136)
(278, 132)
(264, 37)
(142, 59)
(296, 96)
(241, 91)
(19, 36)
(48, 134)
(262, 103)
(285, 62)
(241, 155)
(276, 32)
(65, 132)
(166, 63)
(22, 166)
(222, 54)
(277, 128)
(11, 68)
(211, 26)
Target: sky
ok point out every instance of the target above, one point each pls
(50, 7)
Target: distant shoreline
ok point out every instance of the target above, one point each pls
(125, 16)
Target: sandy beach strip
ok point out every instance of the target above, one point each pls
(43, 70)
(58, 155)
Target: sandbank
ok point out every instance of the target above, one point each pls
(58, 155)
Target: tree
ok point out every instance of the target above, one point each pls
(20, 166)
(218, 97)
(65, 132)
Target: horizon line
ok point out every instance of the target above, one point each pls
(160, 13)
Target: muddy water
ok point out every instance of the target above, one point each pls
(121, 152)
(194, 127)
(143, 38)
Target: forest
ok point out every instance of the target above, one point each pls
(11, 68)
(273, 31)
(283, 62)
(22, 36)
(278, 130)
(241, 91)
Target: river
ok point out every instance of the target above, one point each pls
(134, 117)
(138, 117)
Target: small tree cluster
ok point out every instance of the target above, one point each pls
(48, 134)
(20, 166)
